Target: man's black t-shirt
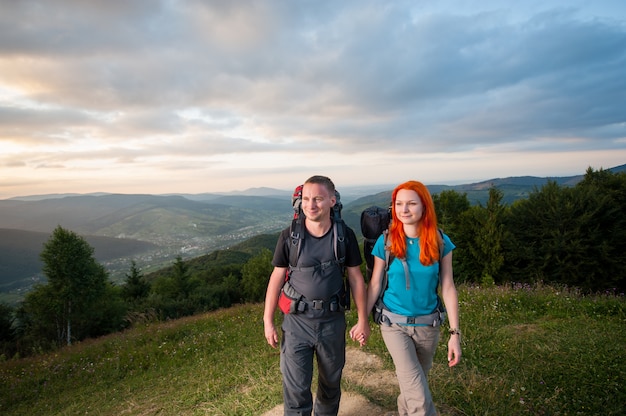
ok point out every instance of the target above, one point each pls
(322, 278)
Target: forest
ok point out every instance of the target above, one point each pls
(563, 236)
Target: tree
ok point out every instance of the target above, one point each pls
(255, 274)
(6, 322)
(573, 236)
(75, 281)
(37, 321)
(605, 195)
(181, 279)
(479, 236)
(172, 293)
(449, 206)
(136, 286)
(7, 333)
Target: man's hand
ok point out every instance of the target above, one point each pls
(271, 335)
(360, 332)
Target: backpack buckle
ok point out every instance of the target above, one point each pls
(300, 307)
(318, 305)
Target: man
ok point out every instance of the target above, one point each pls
(319, 327)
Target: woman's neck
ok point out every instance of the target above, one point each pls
(411, 230)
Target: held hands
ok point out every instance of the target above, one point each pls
(360, 332)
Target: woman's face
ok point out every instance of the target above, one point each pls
(408, 206)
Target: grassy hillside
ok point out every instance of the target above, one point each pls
(536, 351)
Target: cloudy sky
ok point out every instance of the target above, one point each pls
(199, 96)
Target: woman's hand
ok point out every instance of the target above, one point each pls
(454, 350)
(360, 333)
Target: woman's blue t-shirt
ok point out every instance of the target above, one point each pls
(421, 297)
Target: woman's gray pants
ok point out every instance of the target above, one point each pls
(412, 349)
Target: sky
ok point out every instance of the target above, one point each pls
(173, 96)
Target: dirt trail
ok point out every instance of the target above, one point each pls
(365, 370)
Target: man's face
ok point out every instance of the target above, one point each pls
(316, 202)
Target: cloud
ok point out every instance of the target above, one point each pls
(147, 83)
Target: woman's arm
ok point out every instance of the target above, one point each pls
(451, 301)
(374, 286)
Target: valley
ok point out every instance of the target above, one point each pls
(153, 230)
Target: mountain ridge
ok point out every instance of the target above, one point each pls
(190, 225)
(348, 190)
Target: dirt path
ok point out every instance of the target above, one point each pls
(365, 370)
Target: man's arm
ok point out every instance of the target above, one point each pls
(277, 278)
(361, 331)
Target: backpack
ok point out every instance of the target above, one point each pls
(375, 222)
(289, 301)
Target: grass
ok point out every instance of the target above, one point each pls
(526, 351)
(534, 351)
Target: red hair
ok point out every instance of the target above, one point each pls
(429, 242)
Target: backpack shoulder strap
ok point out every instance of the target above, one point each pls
(440, 305)
(440, 243)
(339, 246)
(389, 258)
(339, 241)
(405, 266)
(297, 234)
(295, 241)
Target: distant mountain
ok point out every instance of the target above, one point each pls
(513, 188)
(53, 196)
(262, 191)
(160, 227)
(271, 203)
(153, 218)
(154, 229)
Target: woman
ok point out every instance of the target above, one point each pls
(410, 326)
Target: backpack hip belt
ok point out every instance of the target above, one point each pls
(300, 304)
(434, 319)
